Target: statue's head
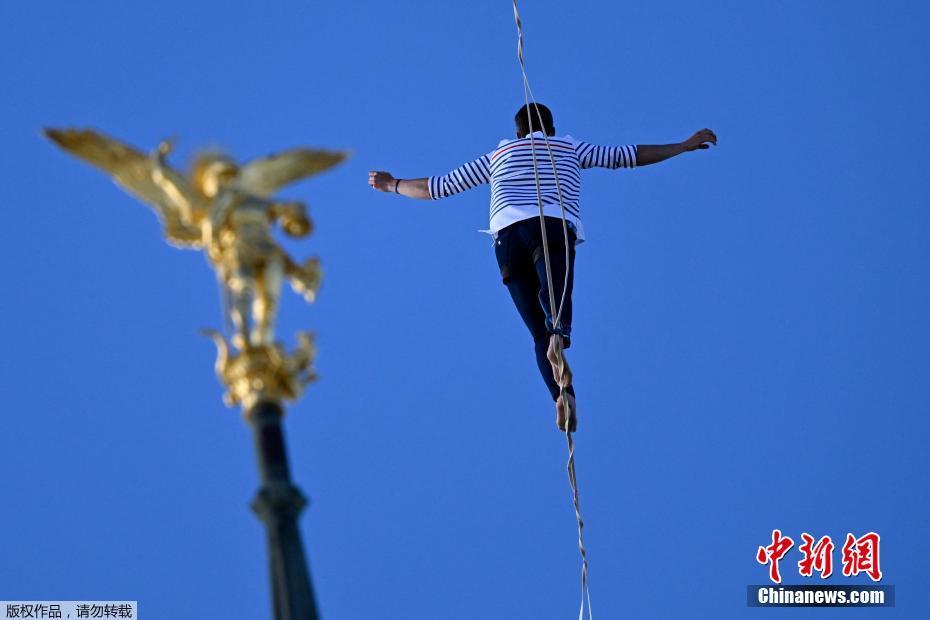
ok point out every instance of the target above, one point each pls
(212, 172)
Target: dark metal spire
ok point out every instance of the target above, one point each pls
(278, 503)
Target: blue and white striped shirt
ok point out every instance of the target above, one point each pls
(509, 170)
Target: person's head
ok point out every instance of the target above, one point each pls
(523, 121)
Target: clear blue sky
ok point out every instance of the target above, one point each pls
(751, 347)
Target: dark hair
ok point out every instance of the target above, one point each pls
(537, 109)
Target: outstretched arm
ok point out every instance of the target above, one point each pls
(170, 182)
(465, 177)
(411, 188)
(652, 154)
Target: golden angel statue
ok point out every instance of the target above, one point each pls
(226, 210)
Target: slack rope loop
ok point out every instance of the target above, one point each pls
(555, 313)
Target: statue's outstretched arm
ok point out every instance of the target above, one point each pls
(175, 187)
(293, 218)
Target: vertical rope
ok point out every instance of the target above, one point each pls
(555, 312)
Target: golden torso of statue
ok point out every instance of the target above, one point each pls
(242, 240)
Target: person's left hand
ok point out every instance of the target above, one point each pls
(700, 140)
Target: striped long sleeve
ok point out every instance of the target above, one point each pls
(466, 176)
(592, 155)
(532, 174)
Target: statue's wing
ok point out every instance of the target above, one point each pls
(134, 171)
(264, 176)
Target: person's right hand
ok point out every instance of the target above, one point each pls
(382, 181)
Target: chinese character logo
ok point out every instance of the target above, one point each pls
(817, 557)
(860, 555)
(773, 553)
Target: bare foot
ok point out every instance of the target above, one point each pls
(560, 371)
(566, 413)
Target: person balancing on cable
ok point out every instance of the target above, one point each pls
(520, 182)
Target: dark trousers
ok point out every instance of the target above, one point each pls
(519, 250)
